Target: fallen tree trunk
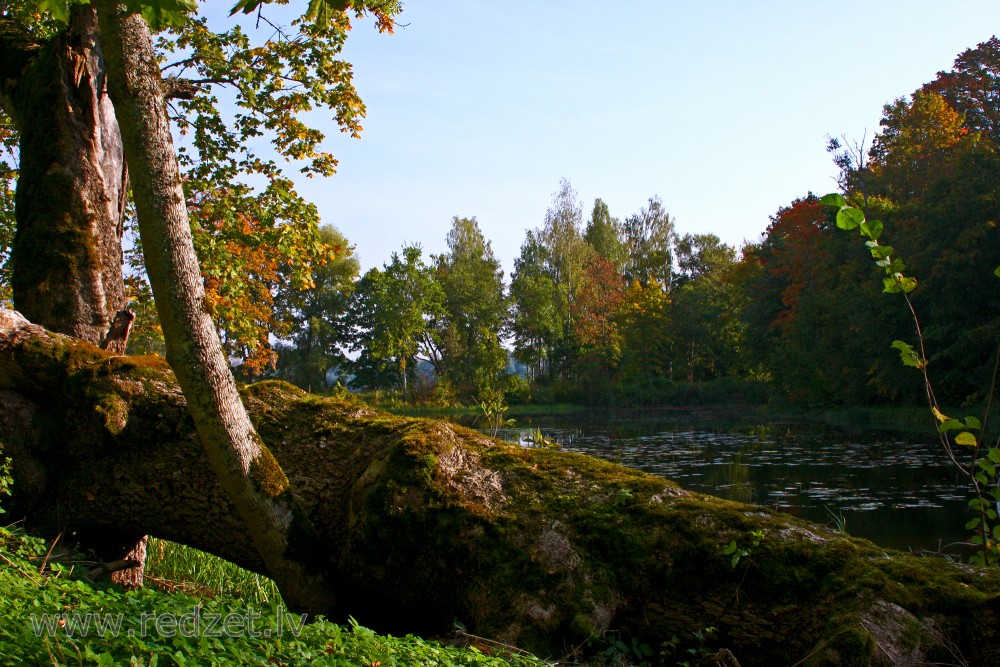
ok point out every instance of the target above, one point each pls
(421, 523)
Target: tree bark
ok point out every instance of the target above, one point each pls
(66, 261)
(253, 480)
(423, 523)
(67, 255)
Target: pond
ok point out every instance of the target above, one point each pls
(896, 490)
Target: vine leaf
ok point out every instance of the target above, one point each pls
(850, 218)
(833, 199)
(965, 438)
(908, 355)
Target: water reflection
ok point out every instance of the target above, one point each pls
(894, 490)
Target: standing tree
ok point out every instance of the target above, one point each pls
(475, 311)
(597, 312)
(320, 330)
(604, 234)
(649, 239)
(538, 317)
(391, 316)
(972, 88)
(66, 260)
(567, 255)
(707, 303)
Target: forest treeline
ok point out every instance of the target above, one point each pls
(602, 309)
(629, 310)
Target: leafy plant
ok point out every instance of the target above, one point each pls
(536, 438)
(618, 651)
(5, 477)
(736, 552)
(692, 652)
(494, 410)
(839, 520)
(961, 439)
(52, 616)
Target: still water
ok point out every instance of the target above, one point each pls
(896, 490)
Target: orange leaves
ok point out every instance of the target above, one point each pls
(252, 248)
(792, 251)
(598, 304)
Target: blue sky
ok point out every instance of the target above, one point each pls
(721, 108)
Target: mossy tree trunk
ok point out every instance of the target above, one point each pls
(253, 481)
(66, 259)
(67, 255)
(423, 523)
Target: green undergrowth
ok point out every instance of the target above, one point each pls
(174, 567)
(54, 615)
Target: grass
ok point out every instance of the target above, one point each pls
(54, 615)
(174, 567)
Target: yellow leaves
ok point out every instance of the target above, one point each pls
(941, 417)
(966, 439)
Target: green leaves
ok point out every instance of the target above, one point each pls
(897, 283)
(245, 6)
(849, 217)
(158, 14)
(59, 9)
(909, 355)
(161, 14)
(833, 199)
(872, 229)
(320, 12)
(734, 552)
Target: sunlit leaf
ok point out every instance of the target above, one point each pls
(882, 251)
(967, 439)
(950, 425)
(973, 423)
(322, 11)
(866, 230)
(908, 355)
(59, 9)
(850, 218)
(875, 228)
(245, 6)
(940, 416)
(833, 199)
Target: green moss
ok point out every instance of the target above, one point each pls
(582, 626)
(115, 412)
(853, 647)
(266, 475)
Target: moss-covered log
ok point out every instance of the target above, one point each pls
(422, 523)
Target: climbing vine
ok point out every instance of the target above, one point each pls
(963, 440)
